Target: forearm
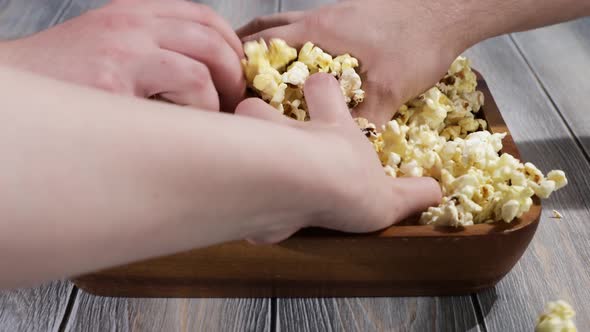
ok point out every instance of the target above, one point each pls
(91, 180)
(478, 20)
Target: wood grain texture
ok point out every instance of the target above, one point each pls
(240, 12)
(92, 313)
(23, 17)
(35, 309)
(377, 314)
(556, 264)
(560, 57)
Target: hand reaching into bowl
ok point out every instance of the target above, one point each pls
(405, 47)
(176, 50)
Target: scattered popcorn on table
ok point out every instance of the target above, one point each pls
(556, 318)
(436, 134)
(556, 215)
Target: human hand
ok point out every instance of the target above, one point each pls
(362, 198)
(404, 47)
(176, 50)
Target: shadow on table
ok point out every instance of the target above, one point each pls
(483, 302)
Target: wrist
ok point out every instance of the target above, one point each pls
(9, 53)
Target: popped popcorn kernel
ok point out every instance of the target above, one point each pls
(556, 214)
(437, 134)
(280, 54)
(277, 73)
(557, 317)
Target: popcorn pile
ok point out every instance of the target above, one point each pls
(436, 134)
(277, 73)
(556, 318)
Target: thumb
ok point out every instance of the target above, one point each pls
(414, 195)
(324, 99)
(294, 34)
(270, 21)
(257, 108)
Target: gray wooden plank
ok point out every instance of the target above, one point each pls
(288, 5)
(35, 309)
(24, 17)
(555, 265)
(93, 313)
(364, 314)
(560, 56)
(377, 314)
(240, 12)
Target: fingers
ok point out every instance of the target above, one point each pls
(198, 13)
(413, 195)
(294, 34)
(257, 108)
(270, 21)
(380, 106)
(178, 79)
(325, 101)
(207, 46)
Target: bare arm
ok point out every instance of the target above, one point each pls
(90, 180)
(406, 46)
(496, 17)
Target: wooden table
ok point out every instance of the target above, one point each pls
(540, 82)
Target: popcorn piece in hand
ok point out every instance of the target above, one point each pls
(350, 84)
(315, 58)
(296, 74)
(280, 54)
(269, 69)
(342, 63)
(557, 317)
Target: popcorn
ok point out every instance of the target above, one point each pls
(296, 74)
(350, 84)
(342, 63)
(315, 58)
(280, 54)
(556, 318)
(558, 177)
(277, 73)
(436, 134)
(556, 214)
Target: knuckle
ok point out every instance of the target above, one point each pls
(204, 10)
(112, 52)
(109, 81)
(214, 44)
(117, 20)
(199, 76)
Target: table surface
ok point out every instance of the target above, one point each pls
(540, 82)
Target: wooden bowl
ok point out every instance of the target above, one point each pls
(402, 260)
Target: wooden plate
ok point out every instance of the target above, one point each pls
(398, 261)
